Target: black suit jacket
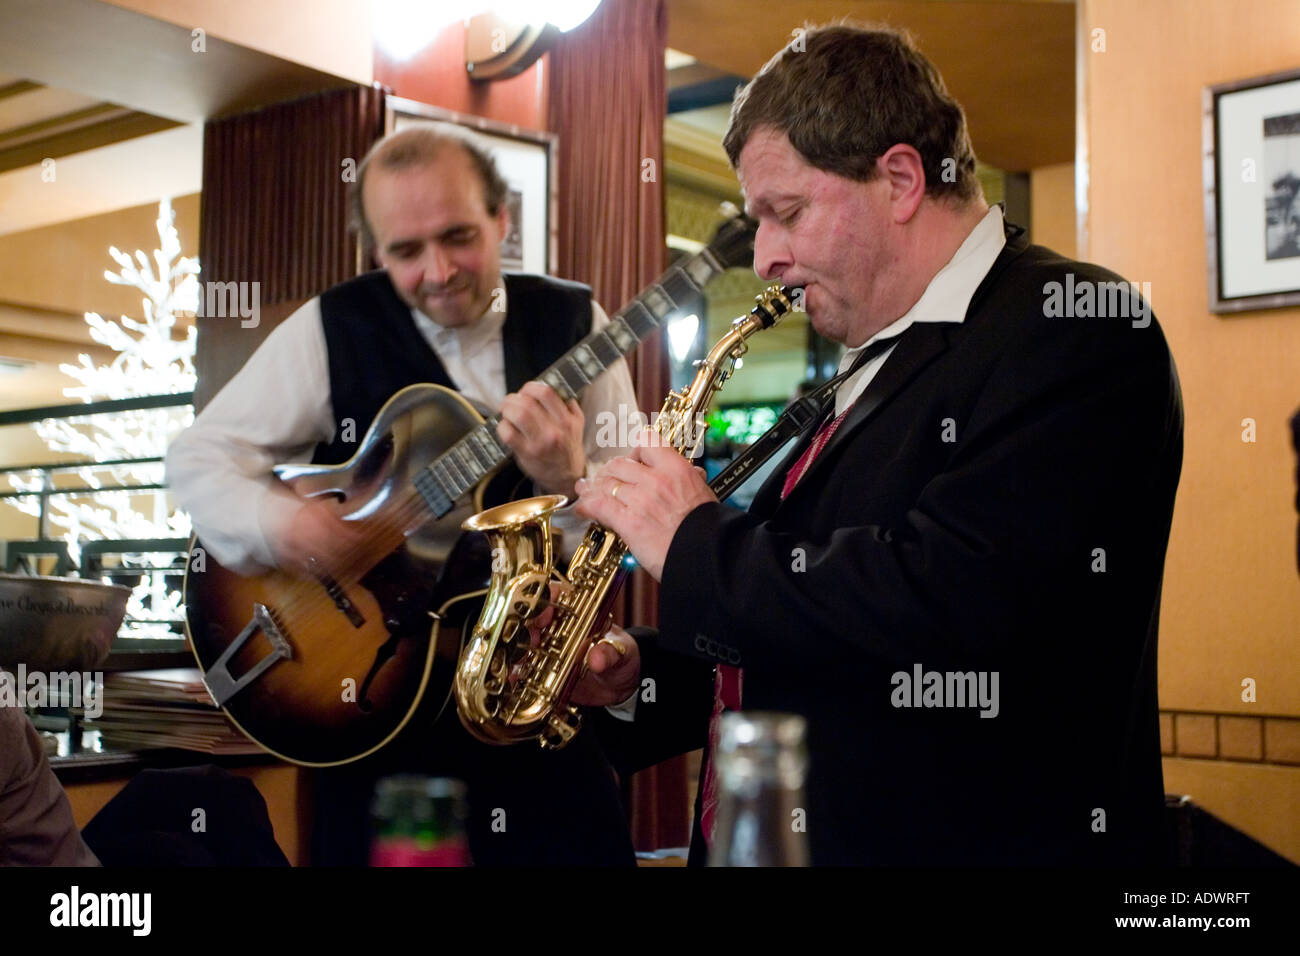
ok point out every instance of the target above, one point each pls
(998, 500)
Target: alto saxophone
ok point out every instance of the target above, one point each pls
(510, 688)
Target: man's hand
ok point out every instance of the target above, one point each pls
(644, 498)
(316, 532)
(545, 433)
(613, 670)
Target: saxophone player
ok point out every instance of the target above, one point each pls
(955, 575)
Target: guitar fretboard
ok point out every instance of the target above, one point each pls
(475, 455)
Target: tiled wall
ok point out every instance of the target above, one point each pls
(1270, 740)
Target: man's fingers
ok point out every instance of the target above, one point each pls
(546, 399)
(661, 456)
(612, 652)
(616, 494)
(507, 429)
(601, 658)
(620, 470)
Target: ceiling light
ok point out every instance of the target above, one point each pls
(402, 28)
(564, 15)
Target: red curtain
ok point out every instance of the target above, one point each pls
(274, 211)
(608, 100)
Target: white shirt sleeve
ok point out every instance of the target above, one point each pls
(275, 410)
(612, 393)
(603, 437)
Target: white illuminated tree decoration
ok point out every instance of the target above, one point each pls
(150, 360)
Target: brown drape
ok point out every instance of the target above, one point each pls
(607, 104)
(274, 211)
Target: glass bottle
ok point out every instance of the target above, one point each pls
(761, 817)
(419, 821)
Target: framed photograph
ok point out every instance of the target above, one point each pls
(1252, 192)
(526, 160)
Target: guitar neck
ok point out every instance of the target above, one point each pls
(479, 452)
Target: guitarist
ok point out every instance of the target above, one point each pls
(431, 206)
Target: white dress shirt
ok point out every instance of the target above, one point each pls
(277, 409)
(945, 299)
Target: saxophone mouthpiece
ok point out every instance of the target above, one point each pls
(775, 302)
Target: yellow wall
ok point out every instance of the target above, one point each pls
(1051, 206)
(1232, 597)
(62, 267)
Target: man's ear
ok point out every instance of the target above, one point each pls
(902, 167)
(503, 221)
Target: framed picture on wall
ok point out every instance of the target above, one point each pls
(1252, 192)
(526, 160)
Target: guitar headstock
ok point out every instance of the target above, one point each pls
(733, 242)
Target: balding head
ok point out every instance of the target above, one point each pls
(423, 145)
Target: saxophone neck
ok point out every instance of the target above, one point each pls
(681, 419)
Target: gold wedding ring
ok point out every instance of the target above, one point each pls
(614, 491)
(617, 645)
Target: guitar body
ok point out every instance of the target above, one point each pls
(332, 669)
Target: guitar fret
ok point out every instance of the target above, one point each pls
(488, 431)
(446, 479)
(555, 378)
(437, 500)
(621, 334)
(470, 442)
(573, 383)
(471, 465)
(680, 287)
(434, 494)
(571, 371)
(701, 268)
(659, 302)
(642, 322)
(488, 446)
(585, 357)
(604, 348)
(462, 478)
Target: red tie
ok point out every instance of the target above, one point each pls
(800, 467)
(728, 681)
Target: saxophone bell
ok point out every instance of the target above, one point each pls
(519, 533)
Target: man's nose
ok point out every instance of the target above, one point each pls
(438, 265)
(771, 252)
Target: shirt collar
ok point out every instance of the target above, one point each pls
(472, 338)
(948, 295)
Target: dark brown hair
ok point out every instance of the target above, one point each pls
(844, 94)
(418, 146)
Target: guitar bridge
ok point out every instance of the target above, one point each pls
(222, 685)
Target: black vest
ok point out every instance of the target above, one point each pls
(375, 348)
